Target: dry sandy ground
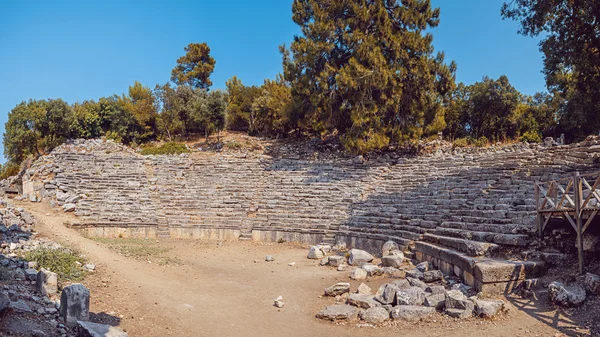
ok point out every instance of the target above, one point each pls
(219, 290)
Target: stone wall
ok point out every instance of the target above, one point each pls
(452, 206)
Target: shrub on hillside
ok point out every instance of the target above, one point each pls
(63, 261)
(460, 142)
(8, 170)
(531, 137)
(166, 148)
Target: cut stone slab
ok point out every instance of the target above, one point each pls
(75, 304)
(392, 261)
(411, 312)
(364, 289)
(388, 247)
(492, 271)
(336, 260)
(46, 282)
(437, 301)
(387, 293)
(592, 283)
(89, 329)
(455, 299)
(568, 296)
(358, 257)
(433, 275)
(410, 296)
(358, 274)
(315, 253)
(363, 301)
(375, 315)
(488, 308)
(337, 289)
(339, 312)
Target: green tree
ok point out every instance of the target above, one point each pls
(365, 68)
(195, 67)
(213, 113)
(187, 104)
(270, 109)
(86, 121)
(116, 121)
(167, 121)
(571, 47)
(239, 104)
(140, 101)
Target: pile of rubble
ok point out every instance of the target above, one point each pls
(30, 299)
(415, 293)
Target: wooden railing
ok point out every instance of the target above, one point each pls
(575, 199)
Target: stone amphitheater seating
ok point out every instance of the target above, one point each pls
(468, 213)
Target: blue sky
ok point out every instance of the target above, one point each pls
(79, 50)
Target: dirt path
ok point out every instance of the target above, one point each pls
(218, 290)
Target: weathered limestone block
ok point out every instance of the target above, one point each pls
(411, 312)
(358, 257)
(338, 312)
(75, 304)
(46, 282)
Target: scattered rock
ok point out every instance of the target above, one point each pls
(488, 308)
(375, 315)
(358, 257)
(410, 296)
(21, 306)
(336, 260)
(566, 295)
(372, 270)
(363, 301)
(337, 289)
(423, 266)
(436, 301)
(315, 253)
(433, 275)
(358, 274)
(364, 289)
(89, 329)
(31, 274)
(402, 284)
(592, 283)
(75, 304)
(338, 312)
(269, 258)
(411, 312)
(415, 273)
(455, 299)
(417, 283)
(388, 247)
(459, 313)
(392, 261)
(387, 293)
(4, 302)
(291, 264)
(394, 272)
(69, 207)
(279, 302)
(434, 290)
(46, 282)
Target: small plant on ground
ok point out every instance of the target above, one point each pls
(166, 148)
(460, 142)
(281, 240)
(63, 261)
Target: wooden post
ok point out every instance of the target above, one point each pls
(537, 208)
(578, 196)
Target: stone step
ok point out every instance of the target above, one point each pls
(471, 248)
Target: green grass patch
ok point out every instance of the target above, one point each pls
(134, 248)
(166, 148)
(62, 261)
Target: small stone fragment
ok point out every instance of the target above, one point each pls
(592, 283)
(388, 247)
(337, 289)
(488, 308)
(269, 258)
(364, 289)
(315, 253)
(336, 260)
(279, 302)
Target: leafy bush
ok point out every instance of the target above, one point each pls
(166, 148)
(531, 137)
(479, 142)
(62, 261)
(460, 142)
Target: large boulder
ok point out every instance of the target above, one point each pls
(336, 260)
(338, 312)
(488, 308)
(387, 293)
(75, 304)
(337, 289)
(375, 315)
(358, 257)
(392, 261)
(363, 301)
(388, 247)
(89, 329)
(411, 312)
(372, 270)
(410, 296)
(592, 283)
(433, 275)
(46, 282)
(568, 296)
